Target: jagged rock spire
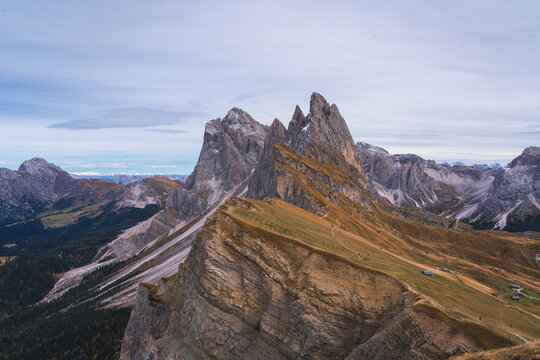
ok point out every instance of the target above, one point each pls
(263, 181)
(231, 149)
(321, 136)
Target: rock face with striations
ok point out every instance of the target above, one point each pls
(244, 295)
(320, 150)
(232, 148)
(503, 198)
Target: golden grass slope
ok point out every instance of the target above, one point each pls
(483, 262)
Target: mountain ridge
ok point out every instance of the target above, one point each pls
(260, 281)
(486, 199)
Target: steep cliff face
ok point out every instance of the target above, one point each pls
(231, 149)
(315, 157)
(500, 198)
(244, 293)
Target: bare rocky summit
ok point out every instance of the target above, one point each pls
(24, 191)
(152, 249)
(321, 137)
(231, 149)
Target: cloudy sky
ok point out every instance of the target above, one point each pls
(126, 86)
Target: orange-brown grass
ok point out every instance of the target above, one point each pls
(161, 184)
(529, 351)
(100, 187)
(401, 254)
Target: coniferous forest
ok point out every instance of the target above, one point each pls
(35, 257)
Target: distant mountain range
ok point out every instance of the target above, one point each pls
(488, 196)
(38, 186)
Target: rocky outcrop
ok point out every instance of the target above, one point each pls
(247, 295)
(263, 182)
(149, 191)
(326, 134)
(316, 155)
(503, 198)
(231, 149)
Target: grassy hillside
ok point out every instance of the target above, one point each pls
(403, 249)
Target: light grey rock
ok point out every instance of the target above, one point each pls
(500, 198)
(231, 149)
(24, 191)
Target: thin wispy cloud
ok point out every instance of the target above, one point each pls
(128, 118)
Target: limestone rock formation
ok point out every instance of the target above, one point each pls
(231, 149)
(153, 249)
(320, 151)
(251, 289)
(503, 198)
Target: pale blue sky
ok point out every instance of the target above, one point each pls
(126, 86)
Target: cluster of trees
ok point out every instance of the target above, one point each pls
(83, 333)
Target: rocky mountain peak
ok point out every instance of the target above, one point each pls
(238, 116)
(39, 166)
(529, 157)
(297, 123)
(318, 106)
(36, 182)
(326, 131)
(322, 138)
(276, 133)
(362, 146)
(231, 149)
